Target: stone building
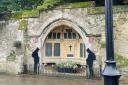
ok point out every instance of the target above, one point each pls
(61, 34)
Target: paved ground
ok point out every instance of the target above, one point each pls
(43, 80)
(40, 80)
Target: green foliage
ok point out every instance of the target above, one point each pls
(22, 24)
(81, 4)
(103, 45)
(49, 4)
(12, 56)
(4, 4)
(30, 8)
(67, 64)
(25, 13)
(28, 4)
(17, 15)
(121, 61)
(8, 5)
(32, 13)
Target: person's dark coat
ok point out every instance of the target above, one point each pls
(91, 57)
(35, 55)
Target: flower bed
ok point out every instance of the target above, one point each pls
(67, 67)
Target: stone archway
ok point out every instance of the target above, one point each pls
(81, 31)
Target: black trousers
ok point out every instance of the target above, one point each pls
(36, 67)
(91, 73)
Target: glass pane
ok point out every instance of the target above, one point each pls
(58, 35)
(81, 50)
(54, 35)
(69, 35)
(48, 49)
(57, 49)
(74, 35)
(50, 35)
(84, 51)
(65, 35)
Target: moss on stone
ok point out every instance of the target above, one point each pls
(32, 13)
(81, 4)
(12, 56)
(90, 5)
(17, 15)
(22, 24)
(25, 13)
(103, 45)
(121, 60)
(101, 10)
(96, 10)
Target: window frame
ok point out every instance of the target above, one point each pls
(71, 36)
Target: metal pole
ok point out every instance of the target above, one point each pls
(110, 73)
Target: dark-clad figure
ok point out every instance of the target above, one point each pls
(36, 59)
(89, 61)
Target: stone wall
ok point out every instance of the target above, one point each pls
(120, 34)
(87, 25)
(8, 35)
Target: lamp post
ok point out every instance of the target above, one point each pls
(110, 73)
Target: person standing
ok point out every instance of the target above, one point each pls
(36, 59)
(89, 61)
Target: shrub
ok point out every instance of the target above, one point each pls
(67, 64)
